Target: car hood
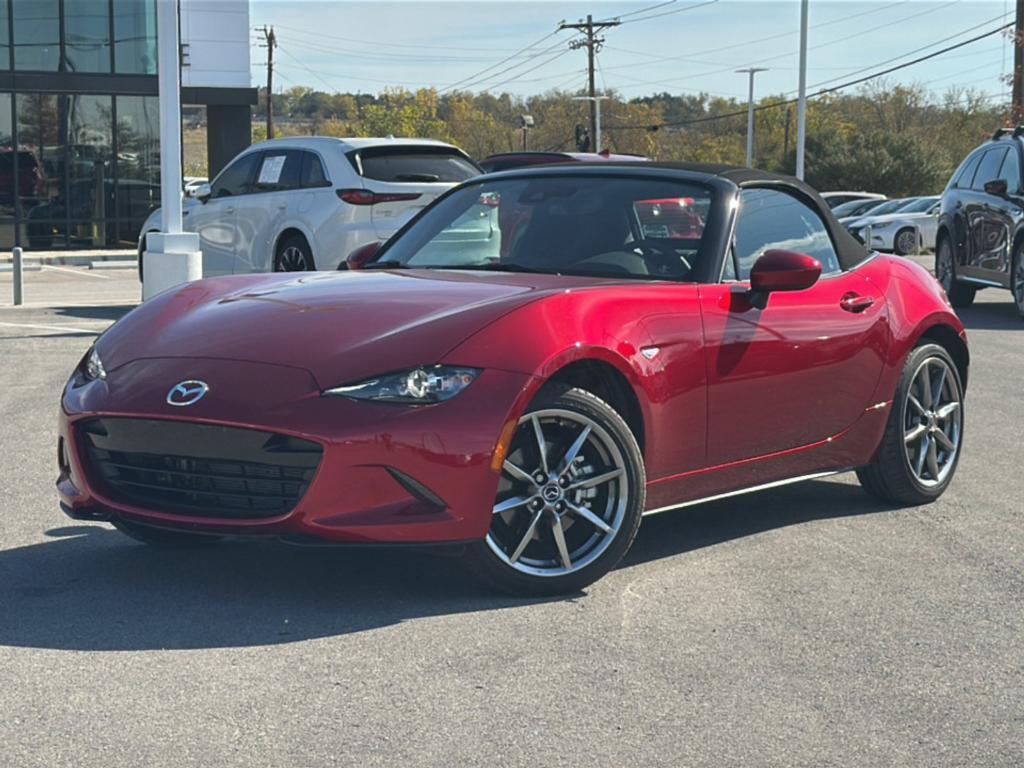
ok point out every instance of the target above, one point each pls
(340, 326)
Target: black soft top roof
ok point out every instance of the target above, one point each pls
(849, 250)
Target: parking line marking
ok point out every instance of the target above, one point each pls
(84, 273)
(57, 328)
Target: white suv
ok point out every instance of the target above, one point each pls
(305, 203)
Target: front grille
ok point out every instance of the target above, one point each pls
(199, 470)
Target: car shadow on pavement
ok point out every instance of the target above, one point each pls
(991, 316)
(110, 312)
(679, 531)
(91, 588)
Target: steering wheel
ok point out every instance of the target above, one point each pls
(665, 256)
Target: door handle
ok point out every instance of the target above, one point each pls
(854, 302)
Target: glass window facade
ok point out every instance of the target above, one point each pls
(78, 170)
(87, 36)
(99, 36)
(135, 37)
(36, 34)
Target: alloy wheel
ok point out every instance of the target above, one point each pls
(906, 242)
(293, 259)
(562, 497)
(944, 266)
(932, 422)
(1018, 283)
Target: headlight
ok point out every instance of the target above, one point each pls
(418, 386)
(94, 366)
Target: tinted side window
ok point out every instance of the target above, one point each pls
(415, 165)
(1011, 170)
(236, 179)
(988, 170)
(280, 170)
(313, 171)
(965, 173)
(770, 219)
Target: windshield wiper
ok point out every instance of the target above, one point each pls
(499, 266)
(427, 178)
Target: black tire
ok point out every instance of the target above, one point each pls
(294, 255)
(890, 477)
(164, 537)
(896, 242)
(960, 294)
(623, 498)
(1017, 279)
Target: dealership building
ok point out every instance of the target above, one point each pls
(79, 117)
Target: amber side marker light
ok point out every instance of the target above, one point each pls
(504, 441)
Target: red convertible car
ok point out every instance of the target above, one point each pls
(529, 400)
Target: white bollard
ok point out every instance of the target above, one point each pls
(19, 277)
(170, 260)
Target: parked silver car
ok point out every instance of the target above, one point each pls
(908, 230)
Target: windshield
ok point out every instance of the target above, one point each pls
(606, 227)
(919, 206)
(890, 207)
(855, 207)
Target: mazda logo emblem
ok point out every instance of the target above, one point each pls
(187, 393)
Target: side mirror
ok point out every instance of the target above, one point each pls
(362, 255)
(203, 192)
(779, 270)
(997, 187)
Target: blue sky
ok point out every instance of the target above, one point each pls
(347, 45)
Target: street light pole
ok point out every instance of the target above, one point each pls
(172, 256)
(751, 71)
(801, 114)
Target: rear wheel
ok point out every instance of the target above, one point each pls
(569, 500)
(921, 446)
(960, 295)
(294, 255)
(162, 537)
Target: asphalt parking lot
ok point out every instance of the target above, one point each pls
(805, 625)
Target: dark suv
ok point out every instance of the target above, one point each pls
(980, 240)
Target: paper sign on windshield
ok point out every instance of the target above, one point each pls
(270, 172)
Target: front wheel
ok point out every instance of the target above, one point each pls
(921, 446)
(906, 242)
(569, 500)
(960, 295)
(1017, 280)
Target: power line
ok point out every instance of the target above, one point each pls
(466, 81)
(747, 43)
(391, 44)
(827, 43)
(669, 13)
(822, 92)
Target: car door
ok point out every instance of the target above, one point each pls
(262, 214)
(987, 236)
(215, 218)
(802, 369)
(1004, 211)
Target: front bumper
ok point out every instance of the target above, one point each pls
(388, 473)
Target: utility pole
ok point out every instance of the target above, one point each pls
(270, 44)
(592, 42)
(1018, 65)
(750, 111)
(801, 111)
(595, 104)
